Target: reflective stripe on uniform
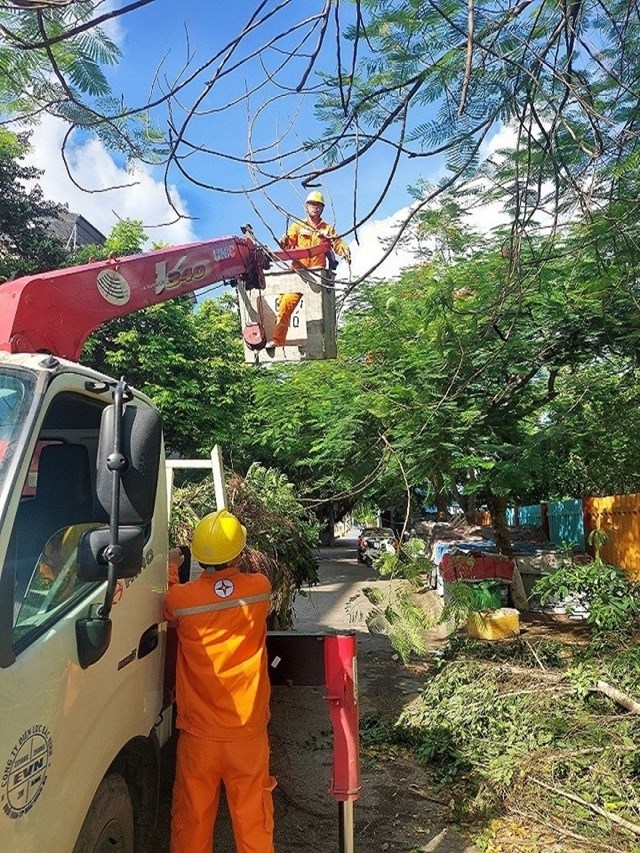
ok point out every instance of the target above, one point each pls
(222, 605)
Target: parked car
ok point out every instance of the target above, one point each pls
(372, 539)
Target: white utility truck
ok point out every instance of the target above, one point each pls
(83, 555)
(84, 541)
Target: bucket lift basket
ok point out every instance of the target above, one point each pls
(312, 329)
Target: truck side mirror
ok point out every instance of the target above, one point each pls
(93, 562)
(141, 436)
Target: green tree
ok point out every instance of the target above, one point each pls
(53, 59)
(313, 424)
(468, 361)
(453, 376)
(588, 440)
(127, 237)
(26, 243)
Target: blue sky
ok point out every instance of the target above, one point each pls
(166, 39)
(209, 27)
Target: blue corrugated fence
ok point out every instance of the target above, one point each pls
(530, 515)
(566, 522)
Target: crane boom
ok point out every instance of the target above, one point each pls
(55, 312)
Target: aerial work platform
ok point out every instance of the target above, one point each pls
(311, 333)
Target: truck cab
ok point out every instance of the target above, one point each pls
(80, 684)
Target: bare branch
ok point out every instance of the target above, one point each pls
(469, 60)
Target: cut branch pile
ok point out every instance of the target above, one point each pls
(548, 744)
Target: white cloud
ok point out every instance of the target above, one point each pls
(376, 233)
(113, 27)
(94, 168)
(504, 138)
(370, 248)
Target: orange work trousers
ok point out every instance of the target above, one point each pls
(288, 304)
(243, 766)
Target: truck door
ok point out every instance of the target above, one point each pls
(61, 726)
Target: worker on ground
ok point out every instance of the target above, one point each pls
(223, 693)
(314, 232)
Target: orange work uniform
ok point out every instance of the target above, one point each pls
(288, 304)
(307, 235)
(222, 692)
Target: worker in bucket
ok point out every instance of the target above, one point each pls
(315, 232)
(223, 694)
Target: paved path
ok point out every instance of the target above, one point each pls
(326, 606)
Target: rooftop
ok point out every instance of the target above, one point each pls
(75, 231)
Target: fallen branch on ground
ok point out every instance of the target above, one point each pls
(619, 821)
(561, 830)
(618, 696)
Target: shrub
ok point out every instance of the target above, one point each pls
(611, 601)
(281, 537)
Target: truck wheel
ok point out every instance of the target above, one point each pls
(108, 826)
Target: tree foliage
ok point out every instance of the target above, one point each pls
(378, 83)
(54, 60)
(281, 532)
(26, 243)
(589, 444)
(311, 424)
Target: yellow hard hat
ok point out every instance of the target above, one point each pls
(315, 196)
(218, 538)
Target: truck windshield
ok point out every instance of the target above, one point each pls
(16, 395)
